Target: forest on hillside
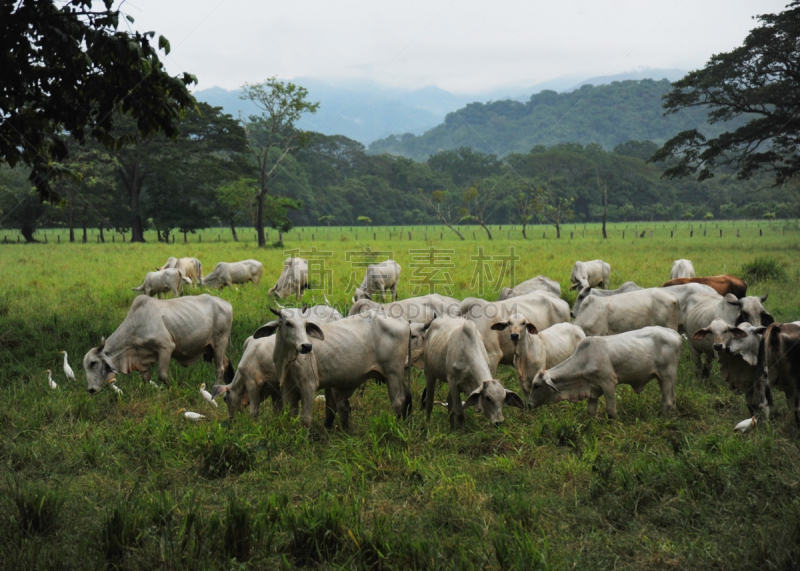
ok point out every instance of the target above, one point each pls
(604, 114)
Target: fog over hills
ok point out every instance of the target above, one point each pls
(371, 112)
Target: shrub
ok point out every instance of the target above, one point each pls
(38, 508)
(764, 269)
(319, 534)
(220, 452)
(238, 531)
(120, 531)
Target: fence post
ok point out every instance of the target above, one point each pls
(409, 235)
(720, 232)
(760, 232)
(671, 233)
(623, 233)
(691, 233)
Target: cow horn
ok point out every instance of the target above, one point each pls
(305, 308)
(279, 305)
(549, 382)
(764, 297)
(275, 311)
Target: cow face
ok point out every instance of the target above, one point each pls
(419, 335)
(543, 390)
(489, 399)
(753, 311)
(99, 369)
(292, 330)
(747, 347)
(516, 325)
(583, 294)
(720, 333)
(360, 294)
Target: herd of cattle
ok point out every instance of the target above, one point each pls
(630, 335)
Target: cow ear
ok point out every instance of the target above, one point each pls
(427, 325)
(738, 333)
(500, 326)
(513, 399)
(764, 297)
(313, 330)
(701, 334)
(531, 328)
(732, 299)
(102, 344)
(275, 311)
(473, 398)
(759, 330)
(766, 318)
(108, 366)
(266, 330)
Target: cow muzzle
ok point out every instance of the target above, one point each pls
(92, 390)
(718, 347)
(515, 336)
(305, 348)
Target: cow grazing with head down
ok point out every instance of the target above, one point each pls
(293, 279)
(414, 309)
(587, 291)
(191, 268)
(701, 309)
(599, 364)
(736, 348)
(535, 350)
(378, 279)
(596, 273)
(539, 283)
(779, 365)
(454, 353)
(723, 284)
(628, 311)
(156, 331)
(538, 307)
(343, 356)
(230, 273)
(256, 378)
(682, 269)
(163, 281)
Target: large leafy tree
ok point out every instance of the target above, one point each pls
(757, 83)
(67, 71)
(281, 105)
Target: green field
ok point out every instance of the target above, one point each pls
(125, 482)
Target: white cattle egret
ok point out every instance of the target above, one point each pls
(207, 396)
(155, 385)
(746, 425)
(50, 380)
(67, 369)
(115, 387)
(189, 415)
(320, 398)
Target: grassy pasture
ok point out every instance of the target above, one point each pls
(108, 481)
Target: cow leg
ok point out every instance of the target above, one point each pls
(399, 394)
(592, 406)
(697, 359)
(330, 407)
(610, 394)
(343, 407)
(394, 292)
(430, 392)
(163, 365)
(307, 394)
(494, 360)
(254, 395)
(456, 411)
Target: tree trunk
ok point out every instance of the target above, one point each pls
(133, 184)
(184, 237)
(605, 210)
(70, 223)
(233, 231)
(558, 230)
(262, 241)
(487, 230)
(85, 236)
(524, 235)
(27, 232)
(280, 237)
(158, 235)
(102, 236)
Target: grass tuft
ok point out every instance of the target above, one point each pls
(238, 531)
(764, 269)
(38, 508)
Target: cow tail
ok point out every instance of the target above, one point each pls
(229, 372)
(408, 373)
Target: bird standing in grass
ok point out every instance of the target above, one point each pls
(189, 415)
(745, 425)
(207, 396)
(112, 384)
(67, 369)
(50, 380)
(155, 385)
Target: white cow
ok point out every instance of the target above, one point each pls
(256, 378)
(599, 364)
(587, 291)
(701, 309)
(346, 354)
(156, 331)
(377, 279)
(163, 281)
(539, 308)
(682, 269)
(628, 311)
(454, 353)
(293, 279)
(191, 268)
(596, 273)
(414, 309)
(229, 273)
(539, 283)
(535, 350)
(683, 292)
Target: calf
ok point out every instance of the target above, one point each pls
(601, 363)
(779, 364)
(346, 354)
(454, 353)
(628, 311)
(534, 351)
(723, 284)
(682, 269)
(191, 268)
(162, 281)
(596, 273)
(587, 291)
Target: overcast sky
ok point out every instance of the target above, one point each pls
(462, 46)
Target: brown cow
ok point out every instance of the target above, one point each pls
(779, 365)
(724, 284)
